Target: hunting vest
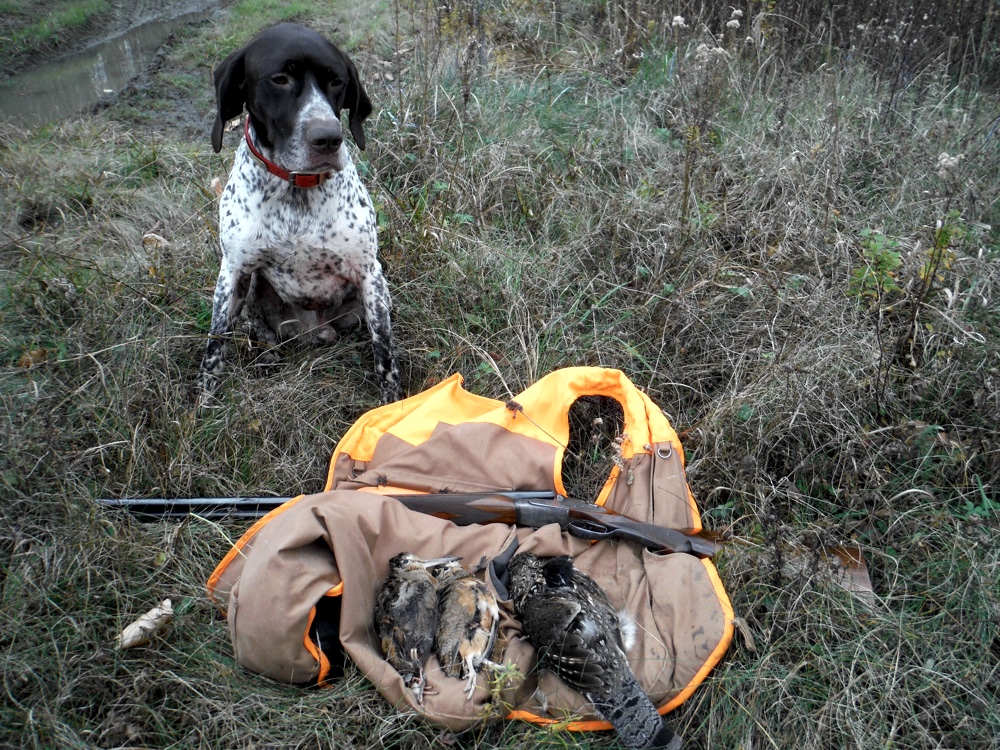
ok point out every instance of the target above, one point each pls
(323, 556)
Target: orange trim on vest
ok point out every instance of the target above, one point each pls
(695, 514)
(388, 490)
(242, 542)
(594, 725)
(720, 649)
(316, 652)
(359, 441)
(609, 484)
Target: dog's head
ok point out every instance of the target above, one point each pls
(294, 83)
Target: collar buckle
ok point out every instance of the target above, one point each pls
(306, 180)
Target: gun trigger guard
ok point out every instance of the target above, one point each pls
(589, 530)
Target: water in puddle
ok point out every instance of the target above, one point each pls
(66, 86)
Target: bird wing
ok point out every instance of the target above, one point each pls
(405, 620)
(571, 637)
(601, 607)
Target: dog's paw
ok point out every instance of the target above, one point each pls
(208, 384)
(325, 336)
(266, 362)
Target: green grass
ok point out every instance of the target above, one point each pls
(44, 27)
(532, 216)
(44, 30)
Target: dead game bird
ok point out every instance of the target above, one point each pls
(468, 625)
(569, 620)
(406, 617)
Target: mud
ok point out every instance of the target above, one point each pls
(123, 15)
(75, 83)
(130, 69)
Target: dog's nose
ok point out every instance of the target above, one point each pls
(325, 137)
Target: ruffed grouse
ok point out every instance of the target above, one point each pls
(577, 634)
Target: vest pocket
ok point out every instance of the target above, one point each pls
(670, 504)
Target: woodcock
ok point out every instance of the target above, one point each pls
(577, 633)
(406, 617)
(468, 624)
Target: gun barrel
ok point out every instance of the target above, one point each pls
(207, 507)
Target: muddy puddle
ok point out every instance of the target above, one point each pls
(71, 84)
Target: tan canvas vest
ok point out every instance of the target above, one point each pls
(338, 544)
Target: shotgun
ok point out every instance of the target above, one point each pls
(533, 509)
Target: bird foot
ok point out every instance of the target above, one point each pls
(418, 686)
(424, 691)
(420, 692)
(470, 686)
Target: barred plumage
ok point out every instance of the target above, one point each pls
(578, 634)
(468, 623)
(406, 617)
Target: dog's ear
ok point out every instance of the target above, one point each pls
(230, 93)
(358, 102)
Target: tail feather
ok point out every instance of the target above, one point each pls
(635, 718)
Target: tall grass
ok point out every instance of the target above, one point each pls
(765, 238)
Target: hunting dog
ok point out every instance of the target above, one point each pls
(296, 225)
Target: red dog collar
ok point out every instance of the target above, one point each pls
(295, 179)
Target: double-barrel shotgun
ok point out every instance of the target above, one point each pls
(533, 509)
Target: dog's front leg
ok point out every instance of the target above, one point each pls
(230, 293)
(377, 305)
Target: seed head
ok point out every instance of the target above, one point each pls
(948, 164)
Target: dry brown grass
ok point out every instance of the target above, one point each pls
(568, 202)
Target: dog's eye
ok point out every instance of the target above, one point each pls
(330, 79)
(280, 79)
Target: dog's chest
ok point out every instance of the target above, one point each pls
(310, 244)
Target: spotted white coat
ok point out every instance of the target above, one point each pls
(299, 263)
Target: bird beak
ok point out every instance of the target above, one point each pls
(439, 561)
